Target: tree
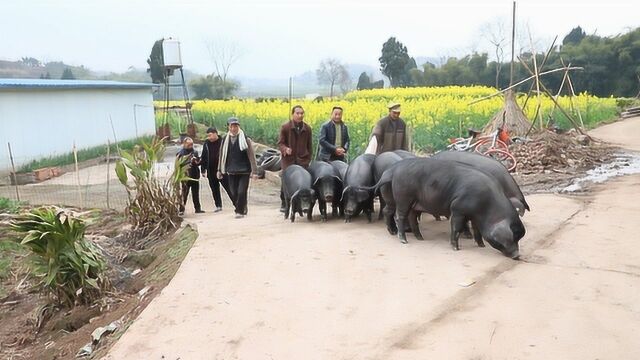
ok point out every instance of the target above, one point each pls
(364, 82)
(156, 63)
(212, 87)
(31, 62)
(574, 36)
(331, 72)
(223, 54)
(67, 74)
(395, 62)
(495, 34)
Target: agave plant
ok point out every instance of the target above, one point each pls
(71, 267)
(153, 204)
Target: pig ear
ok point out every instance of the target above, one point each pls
(337, 178)
(344, 191)
(517, 204)
(362, 195)
(295, 195)
(316, 182)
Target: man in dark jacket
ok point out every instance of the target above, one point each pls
(190, 157)
(390, 133)
(295, 143)
(334, 138)
(209, 166)
(238, 162)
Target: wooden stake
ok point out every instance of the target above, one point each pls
(75, 160)
(108, 158)
(522, 82)
(548, 93)
(13, 169)
(544, 62)
(573, 94)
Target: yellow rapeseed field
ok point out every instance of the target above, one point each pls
(434, 114)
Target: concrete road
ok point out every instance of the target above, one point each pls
(263, 288)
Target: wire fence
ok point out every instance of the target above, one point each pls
(87, 184)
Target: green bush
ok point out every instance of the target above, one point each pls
(72, 268)
(9, 206)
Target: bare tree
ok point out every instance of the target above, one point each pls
(223, 54)
(495, 33)
(331, 72)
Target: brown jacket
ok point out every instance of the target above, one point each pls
(300, 142)
(391, 135)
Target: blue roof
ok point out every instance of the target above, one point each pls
(69, 84)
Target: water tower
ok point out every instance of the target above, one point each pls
(172, 61)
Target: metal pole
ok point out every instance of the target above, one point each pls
(108, 158)
(135, 119)
(13, 169)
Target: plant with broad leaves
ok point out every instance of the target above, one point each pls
(71, 267)
(153, 203)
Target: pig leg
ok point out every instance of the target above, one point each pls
(466, 231)
(322, 205)
(401, 216)
(287, 206)
(310, 213)
(477, 236)
(457, 225)
(294, 208)
(382, 206)
(437, 217)
(413, 223)
(368, 210)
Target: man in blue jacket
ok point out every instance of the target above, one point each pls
(334, 138)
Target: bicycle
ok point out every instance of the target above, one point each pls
(493, 145)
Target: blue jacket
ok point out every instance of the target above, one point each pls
(327, 141)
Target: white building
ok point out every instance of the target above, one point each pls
(43, 118)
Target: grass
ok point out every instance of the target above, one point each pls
(83, 155)
(10, 253)
(8, 206)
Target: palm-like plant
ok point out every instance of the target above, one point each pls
(153, 203)
(72, 268)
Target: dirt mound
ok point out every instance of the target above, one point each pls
(549, 151)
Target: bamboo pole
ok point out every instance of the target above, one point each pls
(522, 82)
(513, 45)
(13, 169)
(537, 82)
(108, 158)
(75, 160)
(544, 62)
(548, 93)
(573, 94)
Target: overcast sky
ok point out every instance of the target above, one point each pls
(285, 37)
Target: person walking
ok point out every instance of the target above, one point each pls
(390, 133)
(209, 166)
(334, 138)
(190, 157)
(238, 162)
(295, 143)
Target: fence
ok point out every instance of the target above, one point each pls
(85, 184)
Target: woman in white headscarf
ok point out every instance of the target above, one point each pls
(238, 162)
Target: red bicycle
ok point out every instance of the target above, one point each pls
(493, 145)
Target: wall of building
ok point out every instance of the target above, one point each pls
(41, 123)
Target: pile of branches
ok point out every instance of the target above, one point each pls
(549, 151)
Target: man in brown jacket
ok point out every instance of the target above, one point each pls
(391, 132)
(295, 143)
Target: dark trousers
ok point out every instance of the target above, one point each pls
(238, 187)
(194, 186)
(214, 184)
